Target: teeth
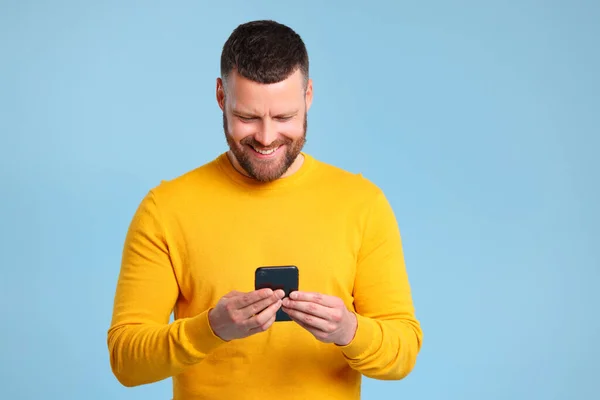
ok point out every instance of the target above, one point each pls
(265, 152)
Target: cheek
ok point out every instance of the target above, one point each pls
(293, 130)
(239, 130)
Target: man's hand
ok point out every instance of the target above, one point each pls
(238, 315)
(326, 317)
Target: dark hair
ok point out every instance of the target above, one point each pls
(265, 52)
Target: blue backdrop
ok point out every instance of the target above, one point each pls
(480, 120)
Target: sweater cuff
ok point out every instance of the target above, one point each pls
(200, 334)
(367, 335)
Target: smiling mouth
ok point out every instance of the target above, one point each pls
(265, 152)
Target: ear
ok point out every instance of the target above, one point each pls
(309, 94)
(220, 94)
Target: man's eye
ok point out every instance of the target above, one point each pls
(283, 119)
(246, 119)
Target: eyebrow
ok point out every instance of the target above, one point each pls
(245, 114)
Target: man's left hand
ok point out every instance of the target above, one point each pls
(326, 317)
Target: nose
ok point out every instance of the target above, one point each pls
(267, 134)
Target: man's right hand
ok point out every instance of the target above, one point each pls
(238, 315)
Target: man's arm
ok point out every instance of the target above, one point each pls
(144, 347)
(388, 337)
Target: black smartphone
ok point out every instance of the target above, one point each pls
(283, 277)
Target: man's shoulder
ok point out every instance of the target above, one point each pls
(194, 181)
(343, 180)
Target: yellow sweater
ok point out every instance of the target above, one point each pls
(203, 234)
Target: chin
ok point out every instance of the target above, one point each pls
(268, 174)
(265, 170)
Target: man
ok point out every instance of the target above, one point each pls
(195, 242)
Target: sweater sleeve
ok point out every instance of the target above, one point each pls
(389, 336)
(143, 346)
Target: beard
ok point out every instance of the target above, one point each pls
(265, 170)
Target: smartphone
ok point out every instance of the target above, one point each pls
(283, 277)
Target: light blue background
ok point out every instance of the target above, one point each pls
(480, 120)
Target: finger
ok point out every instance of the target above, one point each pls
(232, 294)
(263, 327)
(316, 332)
(263, 317)
(310, 320)
(259, 306)
(311, 329)
(319, 298)
(245, 299)
(311, 308)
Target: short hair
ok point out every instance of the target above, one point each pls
(264, 51)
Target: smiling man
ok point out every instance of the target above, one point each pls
(195, 242)
(264, 122)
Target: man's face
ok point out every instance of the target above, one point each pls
(265, 125)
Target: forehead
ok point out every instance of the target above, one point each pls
(250, 96)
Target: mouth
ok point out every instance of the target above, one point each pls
(263, 153)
